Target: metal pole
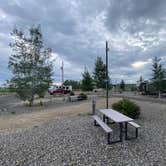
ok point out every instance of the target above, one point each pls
(107, 81)
(62, 68)
(93, 106)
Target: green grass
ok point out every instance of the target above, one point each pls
(6, 90)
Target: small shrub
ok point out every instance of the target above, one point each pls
(127, 107)
(83, 96)
(40, 103)
(72, 93)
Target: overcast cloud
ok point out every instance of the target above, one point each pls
(76, 31)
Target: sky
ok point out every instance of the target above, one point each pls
(76, 30)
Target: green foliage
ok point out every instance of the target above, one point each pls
(99, 73)
(87, 82)
(133, 88)
(158, 75)
(141, 79)
(127, 107)
(30, 64)
(122, 85)
(72, 93)
(73, 83)
(7, 90)
(13, 112)
(83, 96)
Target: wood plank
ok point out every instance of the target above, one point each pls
(115, 116)
(102, 124)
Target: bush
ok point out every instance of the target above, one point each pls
(83, 96)
(127, 107)
(72, 93)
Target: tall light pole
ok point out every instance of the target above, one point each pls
(62, 70)
(107, 80)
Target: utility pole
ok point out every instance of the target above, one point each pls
(107, 81)
(62, 69)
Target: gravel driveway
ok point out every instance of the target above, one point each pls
(75, 141)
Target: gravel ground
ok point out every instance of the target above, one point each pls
(75, 141)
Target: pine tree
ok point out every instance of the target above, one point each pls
(141, 79)
(100, 73)
(87, 82)
(122, 85)
(73, 83)
(158, 75)
(30, 64)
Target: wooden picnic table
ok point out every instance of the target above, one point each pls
(117, 117)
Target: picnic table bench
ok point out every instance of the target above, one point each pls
(105, 127)
(136, 127)
(75, 98)
(119, 118)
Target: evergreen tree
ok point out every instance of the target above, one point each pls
(73, 83)
(87, 81)
(100, 73)
(30, 64)
(141, 79)
(158, 75)
(122, 85)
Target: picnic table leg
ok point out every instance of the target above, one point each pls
(136, 132)
(103, 118)
(108, 120)
(126, 130)
(121, 131)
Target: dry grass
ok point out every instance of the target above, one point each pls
(24, 120)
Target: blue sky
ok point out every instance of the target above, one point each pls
(76, 31)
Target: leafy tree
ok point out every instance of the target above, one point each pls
(100, 73)
(30, 64)
(87, 81)
(73, 83)
(122, 85)
(158, 75)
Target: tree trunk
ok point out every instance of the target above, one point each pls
(30, 103)
(41, 103)
(159, 94)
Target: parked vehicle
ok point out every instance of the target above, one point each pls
(59, 90)
(147, 88)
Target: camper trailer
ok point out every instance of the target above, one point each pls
(59, 89)
(147, 88)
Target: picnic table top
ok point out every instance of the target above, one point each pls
(115, 116)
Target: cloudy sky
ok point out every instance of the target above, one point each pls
(76, 30)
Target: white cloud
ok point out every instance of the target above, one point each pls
(3, 15)
(76, 31)
(140, 64)
(71, 70)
